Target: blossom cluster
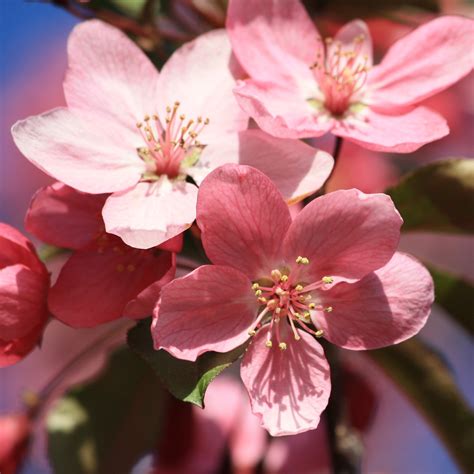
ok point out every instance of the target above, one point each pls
(214, 141)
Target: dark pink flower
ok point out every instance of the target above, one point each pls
(333, 271)
(104, 278)
(138, 134)
(303, 87)
(15, 430)
(24, 284)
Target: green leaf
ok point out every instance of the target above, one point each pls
(187, 381)
(438, 197)
(106, 425)
(456, 296)
(427, 382)
(344, 10)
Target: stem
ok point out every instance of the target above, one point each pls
(337, 150)
(56, 380)
(345, 444)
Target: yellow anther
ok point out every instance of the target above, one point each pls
(147, 118)
(328, 280)
(276, 275)
(297, 315)
(307, 314)
(297, 337)
(277, 310)
(312, 306)
(282, 346)
(155, 117)
(328, 309)
(252, 333)
(130, 267)
(319, 333)
(206, 122)
(269, 344)
(299, 287)
(258, 292)
(302, 260)
(139, 124)
(262, 300)
(168, 109)
(279, 291)
(271, 305)
(284, 278)
(120, 267)
(182, 117)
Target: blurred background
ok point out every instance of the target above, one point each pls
(396, 439)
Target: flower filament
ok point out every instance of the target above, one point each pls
(340, 72)
(279, 298)
(170, 147)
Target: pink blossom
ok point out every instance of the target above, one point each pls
(104, 278)
(24, 284)
(138, 134)
(333, 271)
(226, 420)
(15, 430)
(302, 86)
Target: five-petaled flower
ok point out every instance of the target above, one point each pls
(301, 86)
(332, 272)
(24, 284)
(140, 135)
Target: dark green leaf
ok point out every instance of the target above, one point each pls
(106, 425)
(456, 296)
(438, 197)
(426, 380)
(344, 10)
(187, 381)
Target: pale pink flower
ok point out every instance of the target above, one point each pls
(103, 279)
(302, 86)
(138, 134)
(24, 284)
(332, 271)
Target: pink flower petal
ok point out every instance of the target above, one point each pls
(109, 75)
(90, 155)
(15, 248)
(290, 453)
(423, 63)
(288, 389)
(281, 111)
(61, 216)
(297, 169)
(151, 213)
(142, 306)
(210, 309)
(345, 234)
(201, 76)
(274, 40)
(22, 301)
(15, 350)
(347, 37)
(96, 283)
(403, 133)
(384, 308)
(243, 219)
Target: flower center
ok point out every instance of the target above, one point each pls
(172, 147)
(280, 299)
(341, 72)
